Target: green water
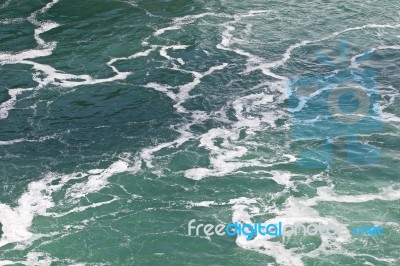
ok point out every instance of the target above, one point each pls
(121, 121)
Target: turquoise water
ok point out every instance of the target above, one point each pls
(121, 121)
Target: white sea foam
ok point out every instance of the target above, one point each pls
(41, 139)
(40, 259)
(203, 203)
(96, 182)
(6, 4)
(185, 89)
(16, 221)
(11, 142)
(243, 212)
(302, 211)
(295, 211)
(228, 40)
(147, 154)
(179, 22)
(225, 158)
(83, 208)
(6, 106)
(389, 93)
(43, 26)
(11, 21)
(161, 31)
(390, 193)
(38, 199)
(266, 67)
(354, 59)
(52, 75)
(283, 178)
(180, 97)
(162, 88)
(164, 53)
